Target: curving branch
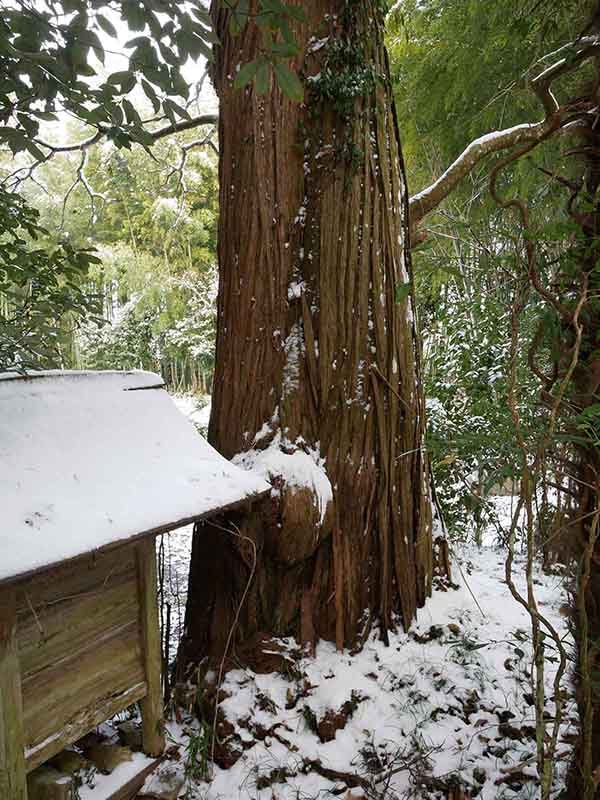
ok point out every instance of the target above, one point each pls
(556, 119)
(26, 172)
(185, 125)
(159, 133)
(81, 180)
(429, 199)
(71, 148)
(179, 169)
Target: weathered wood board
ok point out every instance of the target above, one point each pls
(132, 787)
(152, 704)
(12, 764)
(83, 649)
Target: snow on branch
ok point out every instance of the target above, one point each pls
(427, 200)
(556, 119)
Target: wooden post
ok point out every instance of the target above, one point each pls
(13, 780)
(153, 738)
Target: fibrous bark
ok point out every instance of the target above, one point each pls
(585, 529)
(316, 347)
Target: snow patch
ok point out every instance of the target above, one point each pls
(88, 459)
(304, 469)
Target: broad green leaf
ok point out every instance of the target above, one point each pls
(246, 74)
(151, 95)
(285, 49)
(262, 79)
(106, 25)
(125, 79)
(176, 108)
(288, 82)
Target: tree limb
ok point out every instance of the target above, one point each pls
(185, 125)
(427, 200)
(14, 179)
(159, 133)
(556, 118)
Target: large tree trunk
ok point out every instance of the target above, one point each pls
(317, 357)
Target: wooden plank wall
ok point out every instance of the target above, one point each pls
(80, 649)
(12, 763)
(152, 704)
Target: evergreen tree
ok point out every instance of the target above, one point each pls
(317, 363)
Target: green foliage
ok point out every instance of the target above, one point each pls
(459, 71)
(51, 54)
(52, 57)
(588, 424)
(155, 232)
(344, 77)
(274, 20)
(197, 759)
(470, 434)
(40, 288)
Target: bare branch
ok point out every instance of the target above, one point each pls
(25, 172)
(71, 148)
(427, 200)
(185, 125)
(556, 118)
(178, 170)
(81, 179)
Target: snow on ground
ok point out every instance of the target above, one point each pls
(102, 786)
(449, 701)
(195, 407)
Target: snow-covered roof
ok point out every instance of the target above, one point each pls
(88, 459)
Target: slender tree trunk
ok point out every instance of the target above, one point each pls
(585, 776)
(317, 357)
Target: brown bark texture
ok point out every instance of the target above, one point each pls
(316, 347)
(584, 530)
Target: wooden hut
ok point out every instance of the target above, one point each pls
(93, 466)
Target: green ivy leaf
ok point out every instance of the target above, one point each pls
(402, 292)
(246, 74)
(285, 49)
(239, 18)
(289, 82)
(261, 81)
